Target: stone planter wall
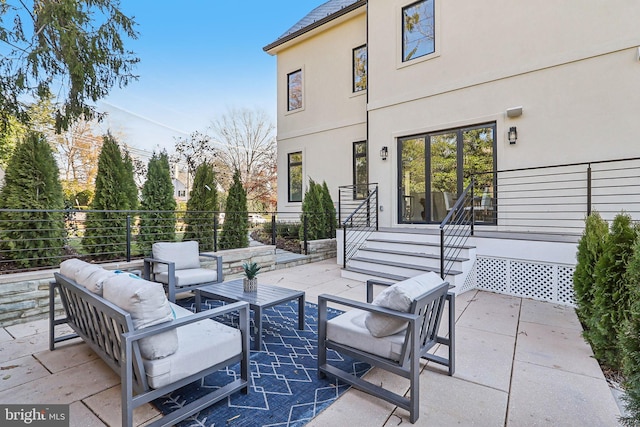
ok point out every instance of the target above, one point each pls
(25, 296)
(317, 250)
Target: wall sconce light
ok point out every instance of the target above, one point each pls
(513, 135)
(384, 153)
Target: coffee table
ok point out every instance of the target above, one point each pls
(266, 296)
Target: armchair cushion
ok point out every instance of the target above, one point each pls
(191, 276)
(202, 344)
(185, 255)
(148, 306)
(349, 329)
(398, 297)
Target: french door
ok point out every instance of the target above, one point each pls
(435, 167)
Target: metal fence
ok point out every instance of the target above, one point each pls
(41, 239)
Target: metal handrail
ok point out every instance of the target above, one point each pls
(364, 220)
(456, 228)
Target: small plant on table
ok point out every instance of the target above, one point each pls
(250, 281)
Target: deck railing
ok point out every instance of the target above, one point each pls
(358, 213)
(456, 228)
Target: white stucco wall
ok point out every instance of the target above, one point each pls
(332, 117)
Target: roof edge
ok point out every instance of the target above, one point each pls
(315, 25)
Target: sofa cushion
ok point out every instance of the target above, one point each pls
(349, 329)
(398, 297)
(70, 267)
(92, 277)
(148, 306)
(184, 254)
(191, 276)
(202, 345)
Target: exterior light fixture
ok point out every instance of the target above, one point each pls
(513, 135)
(384, 153)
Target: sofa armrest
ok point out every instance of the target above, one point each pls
(324, 299)
(218, 259)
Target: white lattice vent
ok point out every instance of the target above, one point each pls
(492, 274)
(541, 281)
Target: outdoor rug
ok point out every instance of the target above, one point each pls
(285, 389)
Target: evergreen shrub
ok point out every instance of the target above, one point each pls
(157, 216)
(236, 221)
(202, 207)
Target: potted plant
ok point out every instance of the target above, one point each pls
(250, 282)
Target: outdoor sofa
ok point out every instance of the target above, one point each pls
(154, 345)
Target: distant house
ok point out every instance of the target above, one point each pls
(415, 97)
(180, 192)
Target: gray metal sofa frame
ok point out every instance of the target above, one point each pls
(109, 331)
(421, 335)
(148, 274)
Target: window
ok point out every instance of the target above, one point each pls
(418, 32)
(360, 68)
(295, 177)
(294, 90)
(360, 171)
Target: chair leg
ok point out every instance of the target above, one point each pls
(322, 335)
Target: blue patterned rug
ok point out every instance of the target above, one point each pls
(285, 389)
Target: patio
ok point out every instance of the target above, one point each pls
(519, 362)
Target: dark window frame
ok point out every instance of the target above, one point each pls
(359, 195)
(290, 165)
(354, 85)
(289, 84)
(403, 27)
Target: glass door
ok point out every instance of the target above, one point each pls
(443, 173)
(412, 179)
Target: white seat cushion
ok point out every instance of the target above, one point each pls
(184, 254)
(148, 306)
(201, 345)
(191, 276)
(349, 329)
(399, 297)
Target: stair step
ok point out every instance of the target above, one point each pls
(402, 265)
(413, 254)
(393, 277)
(410, 242)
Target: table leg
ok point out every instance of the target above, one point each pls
(257, 320)
(301, 312)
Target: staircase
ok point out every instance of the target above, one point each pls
(395, 254)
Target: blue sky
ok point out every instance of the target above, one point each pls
(197, 59)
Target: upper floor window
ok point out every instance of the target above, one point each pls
(418, 30)
(360, 68)
(295, 176)
(294, 90)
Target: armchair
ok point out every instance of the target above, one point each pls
(177, 265)
(354, 334)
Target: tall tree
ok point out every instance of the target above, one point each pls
(158, 218)
(106, 232)
(242, 140)
(236, 220)
(74, 48)
(35, 237)
(202, 208)
(129, 181)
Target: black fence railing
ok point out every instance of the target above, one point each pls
(362, 219)
(456, 228)
(41, 239)
(557, 198)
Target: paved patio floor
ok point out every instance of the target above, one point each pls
(519, 362)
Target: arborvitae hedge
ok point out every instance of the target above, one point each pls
(157, 219)
(630, 341)
(106, 232)
(31, 182)
(611, 299)
(329, 211)
(319, 211)
(129, 182)
(590, 249)
(202, 207)
(236, 221)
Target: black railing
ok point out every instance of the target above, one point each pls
(41, 239)
(362, 220)
(456, 228)
(557, 198)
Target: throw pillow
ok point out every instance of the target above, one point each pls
(148, 306)
(398, 297)
(185, 255)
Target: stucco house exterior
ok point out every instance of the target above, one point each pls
(417, 96)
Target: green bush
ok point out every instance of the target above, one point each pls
(319, 212)
(590, 249)
(32, 182)
(202, 208)
(236, 221)
(630, 341)
(106, 230)
(157, 219)
(611, 300)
